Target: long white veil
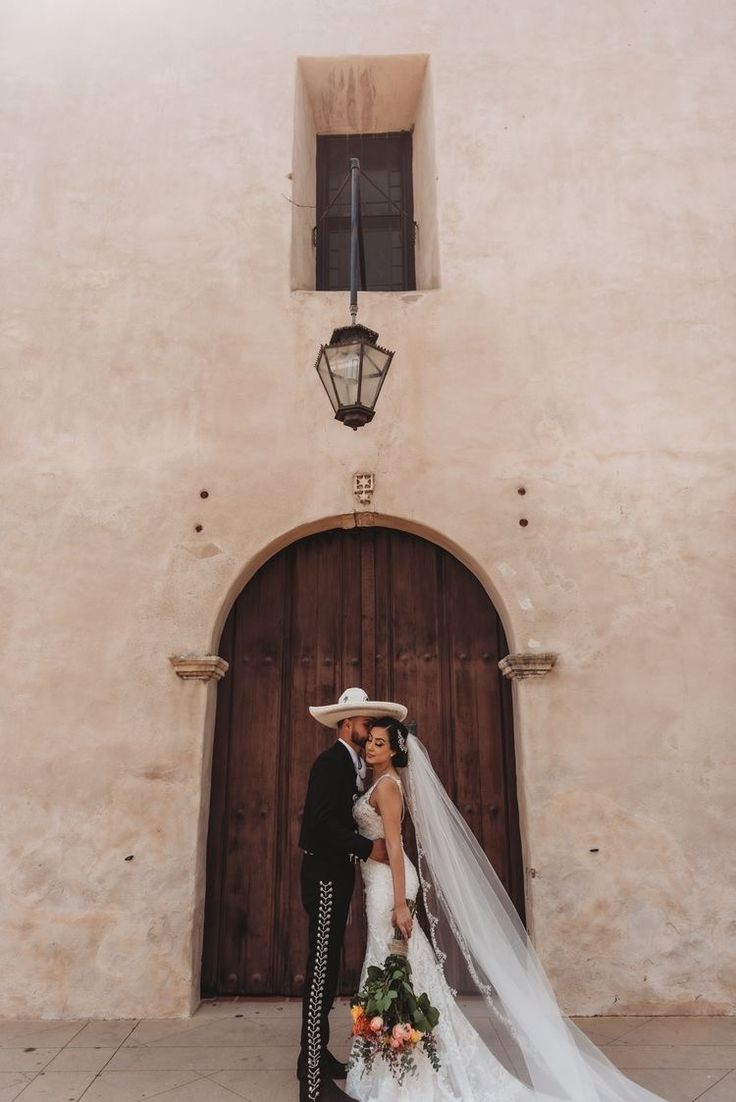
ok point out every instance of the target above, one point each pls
(464, 895)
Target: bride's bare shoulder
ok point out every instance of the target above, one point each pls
(386, 797)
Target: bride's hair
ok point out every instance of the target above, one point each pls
(397, 736)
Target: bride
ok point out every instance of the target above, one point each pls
(471, 915)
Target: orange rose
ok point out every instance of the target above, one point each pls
(362, 1027)
(357, 1012)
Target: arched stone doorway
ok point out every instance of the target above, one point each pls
(375, 607)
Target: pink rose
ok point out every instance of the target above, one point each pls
(396, 1042)
(398, 1033)
(407, 1031)
(376, 1024)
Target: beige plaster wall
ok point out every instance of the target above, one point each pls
(578, 346)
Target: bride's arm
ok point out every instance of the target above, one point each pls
(388, 805)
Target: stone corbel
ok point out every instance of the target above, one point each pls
(199, 667)
(529, 664)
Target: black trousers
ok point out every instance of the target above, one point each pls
(327, 888)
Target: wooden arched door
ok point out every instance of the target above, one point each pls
(404, 619)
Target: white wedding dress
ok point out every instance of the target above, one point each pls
(469, 1070)
(471, 915)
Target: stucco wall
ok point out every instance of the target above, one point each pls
(578, 346)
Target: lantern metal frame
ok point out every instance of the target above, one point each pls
(358, 413)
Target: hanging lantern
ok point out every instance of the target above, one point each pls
(353, 369)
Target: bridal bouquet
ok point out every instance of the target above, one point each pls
(390, 1020)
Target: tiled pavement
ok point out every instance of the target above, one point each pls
(246, 1049)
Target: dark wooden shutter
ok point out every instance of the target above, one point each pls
(388, 233)
(372, 607)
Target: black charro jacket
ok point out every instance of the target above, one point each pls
(328, 830)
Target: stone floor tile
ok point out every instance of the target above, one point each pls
(723, 1091)
(80, 1059)
(603, 1030)
(152, 1030)
(257, 1008)
(205, 1090)
(122, 1086)
(136, 1086)
(672, 1056)
(232, 1058)
(214, 1032)
(254, 1086)
(39, 1034)
(676, 1084)
(17, 1059)
(103, 1034)
(11, 1084)
(684, 1031)
(57, 1086)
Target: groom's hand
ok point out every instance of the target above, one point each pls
(379, 851)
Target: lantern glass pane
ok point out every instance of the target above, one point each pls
(375, 364)
(323, 371)
(345, 368)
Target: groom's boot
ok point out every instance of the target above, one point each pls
(328, 1092)
(332, 1067)
(329, 1066)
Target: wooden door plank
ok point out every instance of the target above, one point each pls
(251, 832)
(367, 582)
(383, 622)
(358, 640)
(255, 781)
(216, 833)
(478, 749)
(517, 885)
(315, 631)
(420, 646)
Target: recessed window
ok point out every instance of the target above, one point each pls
(380, 110)
(387, 210)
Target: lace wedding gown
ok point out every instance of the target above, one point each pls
(471, 913)
(469, 1071)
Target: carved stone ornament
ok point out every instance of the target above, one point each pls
(530, 664)
(363, 487)
(199, 667)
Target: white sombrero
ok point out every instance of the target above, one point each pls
(355, 702)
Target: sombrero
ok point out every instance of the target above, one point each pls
(355, 702)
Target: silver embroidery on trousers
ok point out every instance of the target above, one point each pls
(317, 990)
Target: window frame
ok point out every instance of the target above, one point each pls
(350, 144)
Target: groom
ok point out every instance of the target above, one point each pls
(332, 845)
